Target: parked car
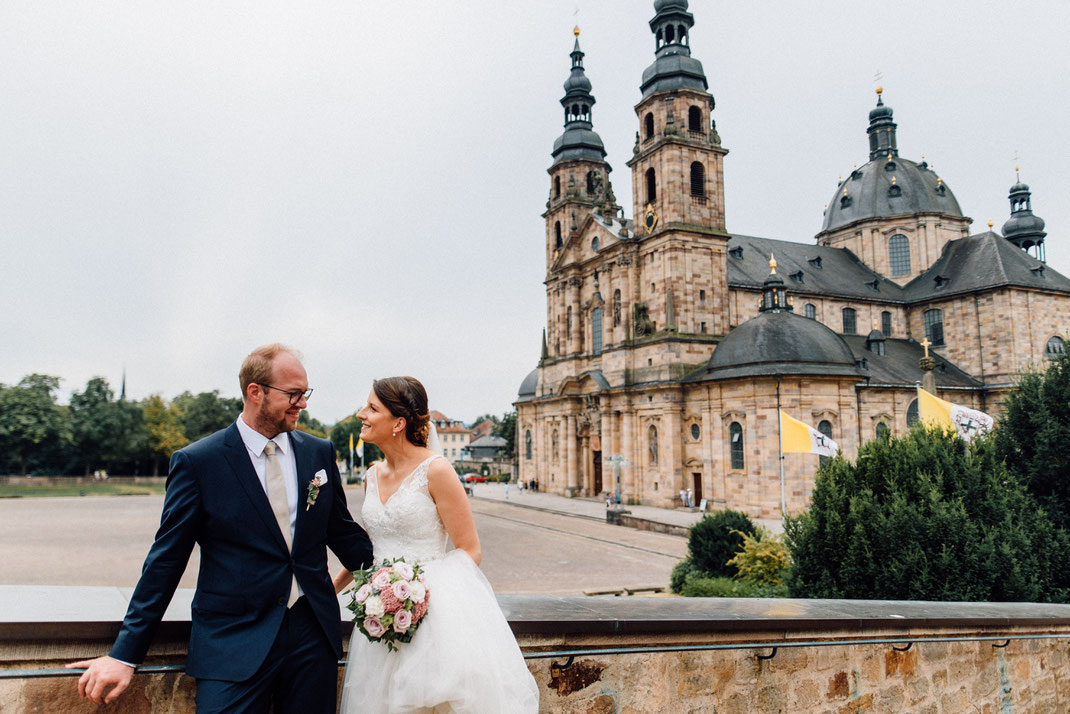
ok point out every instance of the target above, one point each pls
(475, 478)
(467, 488)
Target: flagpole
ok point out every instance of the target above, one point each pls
(780, 440)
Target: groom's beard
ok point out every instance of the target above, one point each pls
(274, 421)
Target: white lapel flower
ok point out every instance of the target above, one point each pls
(314, 488)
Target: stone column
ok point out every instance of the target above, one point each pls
(627, 450)
(571, 466)
(574, 302)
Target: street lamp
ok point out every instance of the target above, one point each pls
(618, 460)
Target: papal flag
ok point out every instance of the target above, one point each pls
(351, 443)
(798, 438)
(966, 422)
(360, 447)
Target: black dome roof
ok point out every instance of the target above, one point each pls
(528, 386)
(781, 343)
(870, 193)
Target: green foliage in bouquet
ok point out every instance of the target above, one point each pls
(926, 517)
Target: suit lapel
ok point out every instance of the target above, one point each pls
(238, 458)
(303, 458)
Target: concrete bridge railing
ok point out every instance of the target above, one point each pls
(636, 654)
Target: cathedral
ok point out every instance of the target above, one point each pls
(670, 343)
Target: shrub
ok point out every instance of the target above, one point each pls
(926, 517)
(680, 571)
(764, 560)
(716, 539)
(699, 586)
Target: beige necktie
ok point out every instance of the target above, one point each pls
(280, 505)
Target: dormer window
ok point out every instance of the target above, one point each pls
(1038, 271)
(736, 252)
(845, 201)
(874, 285)
(816, 262)
(941, 281)
(797, 276)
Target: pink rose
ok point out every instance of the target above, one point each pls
(402, 590)
(373, 627)
(381, 579)
(363, 593)
(404, 570)
(402, 621)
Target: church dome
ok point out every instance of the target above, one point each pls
(660, 5)
(528, 386)
(781, 343)
(888, 185)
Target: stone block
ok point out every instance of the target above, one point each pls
(954, 702)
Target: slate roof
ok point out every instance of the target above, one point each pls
(528, 386)
(823, 269)
(899, 364)
(489, 441)
(980, 262)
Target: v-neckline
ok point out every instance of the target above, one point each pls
(378, 493)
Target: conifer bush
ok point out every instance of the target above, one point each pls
(716, 539)
(926, 517)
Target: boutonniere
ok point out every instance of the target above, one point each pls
(314, 488)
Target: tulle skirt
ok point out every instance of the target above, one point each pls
(463, 657)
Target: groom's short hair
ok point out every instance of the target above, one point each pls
(256, 368)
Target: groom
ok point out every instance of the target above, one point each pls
(263, 502)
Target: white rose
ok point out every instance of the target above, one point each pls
(403, 569)
(374, 606)
(417, 591)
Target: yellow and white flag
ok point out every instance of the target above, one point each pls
(360, 447)
(802, 439)
(966, 422)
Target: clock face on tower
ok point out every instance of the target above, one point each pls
(651, 218)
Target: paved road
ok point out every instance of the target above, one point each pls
(103, 541)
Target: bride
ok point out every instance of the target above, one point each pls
(463, 657)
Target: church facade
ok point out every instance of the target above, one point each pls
(670, 343)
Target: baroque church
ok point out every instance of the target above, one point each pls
(670, 342)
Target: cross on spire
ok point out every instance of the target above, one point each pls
(925, 343)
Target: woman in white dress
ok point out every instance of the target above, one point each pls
(463, 657)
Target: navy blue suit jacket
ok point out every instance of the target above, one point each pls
(215, 499)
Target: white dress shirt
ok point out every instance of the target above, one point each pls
(254, 445)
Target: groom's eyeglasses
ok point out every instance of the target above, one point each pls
(295, 396)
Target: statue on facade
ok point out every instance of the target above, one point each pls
(643, 325)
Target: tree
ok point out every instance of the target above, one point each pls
(163, 422)
(926, 517)
(106, 433)
(206, 413)
(506, 429)
(339, 435)
(1033, 434)
(31, 423)
(310, 425)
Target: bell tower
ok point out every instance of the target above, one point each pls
(579, 176)
(677, 163)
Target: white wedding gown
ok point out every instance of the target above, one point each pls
(463, 657)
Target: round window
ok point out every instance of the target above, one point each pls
(594, 244)
(695, 432)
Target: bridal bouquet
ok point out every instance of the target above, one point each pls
(389, 602)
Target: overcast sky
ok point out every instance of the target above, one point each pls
(181, 181)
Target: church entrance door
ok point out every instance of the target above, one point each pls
(697, 487)
(597, 456)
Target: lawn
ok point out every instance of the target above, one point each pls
(44, 490)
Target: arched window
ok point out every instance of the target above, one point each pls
(934, 326)
(825, 428)
(694, 119)
(651, 186)
(568, 321)
(648, 126)
(670, 34)
(652, 445)
(849, 321)
(882, 430)
(899, 254)
(912, 413)
(527, 444)
(698, 179)
(886, 323)
(1055, 347)
(594, 244)
(596, 331)
(735, 445)
(558, 243)
(557, 187)
(810, 310)
(616, 307)
(590, 182)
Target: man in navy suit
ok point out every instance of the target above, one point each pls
(263, 502)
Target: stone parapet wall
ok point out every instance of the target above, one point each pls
(626, 654)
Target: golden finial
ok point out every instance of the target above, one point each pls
(576, 30)
(990, 224)
(1016, 178)
(939, 181)
(893, 180)
(772, 264)
(880, 90)
(844, 190)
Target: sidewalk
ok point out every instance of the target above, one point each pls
(596, 509)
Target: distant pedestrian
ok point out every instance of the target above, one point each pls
(506, 490)
(683, 497)
(690, 498)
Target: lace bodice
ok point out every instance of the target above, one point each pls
(408, 524)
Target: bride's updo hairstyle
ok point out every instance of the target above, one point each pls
(405, 397)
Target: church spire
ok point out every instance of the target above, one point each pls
(579, 140)
(1023, 228)
(674, 67)
(881, 130)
